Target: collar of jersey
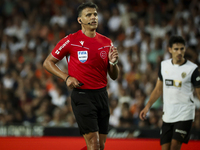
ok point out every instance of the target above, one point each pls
(88, 36)
(176, 65)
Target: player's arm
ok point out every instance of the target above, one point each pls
(196, 81)
(113, 69)
(154, 95)
(157, 92)
(198, 92)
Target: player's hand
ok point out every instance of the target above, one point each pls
(72, 82)
(143, 113)
(113, 54)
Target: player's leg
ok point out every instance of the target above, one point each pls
(102, 140)
(92, 141)
(181, 134)
(175, 145)
(166, 146)
(166, 135)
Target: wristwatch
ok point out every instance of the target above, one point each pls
(113, 63)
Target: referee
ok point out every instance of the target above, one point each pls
(90, 57)
(177, 79)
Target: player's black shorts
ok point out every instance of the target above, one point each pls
(91, 110)
(179, 131)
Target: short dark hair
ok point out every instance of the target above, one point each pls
(176, 39)
(85, 5)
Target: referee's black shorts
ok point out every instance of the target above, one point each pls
(91, 110)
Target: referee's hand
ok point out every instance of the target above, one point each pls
(72, 82)
(113, 54)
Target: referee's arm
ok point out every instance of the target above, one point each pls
(50, 65)
(113, 69)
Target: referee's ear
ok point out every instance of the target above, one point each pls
(79, 20)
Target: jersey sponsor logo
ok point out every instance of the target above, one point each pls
(168, 82)
(81, 42)
(175, 83)
(61, 47)
(198, 78)
(103, 54)
(183, 75)
(82, 56)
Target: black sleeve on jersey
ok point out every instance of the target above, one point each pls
(159, 74)
(196, 78)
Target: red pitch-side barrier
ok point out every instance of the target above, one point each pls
(76, 143)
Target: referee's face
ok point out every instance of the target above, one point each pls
(89, 18)
(178, 52)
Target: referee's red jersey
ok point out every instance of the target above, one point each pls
(87, 58)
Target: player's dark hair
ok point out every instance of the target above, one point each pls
(176, 39)
(85, 5)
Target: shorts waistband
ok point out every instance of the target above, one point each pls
(90, 90)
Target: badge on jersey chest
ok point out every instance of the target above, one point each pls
(183, 75)
(82, 56)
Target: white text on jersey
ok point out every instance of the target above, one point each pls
(61, 47)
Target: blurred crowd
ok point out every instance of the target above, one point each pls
(140, 29)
